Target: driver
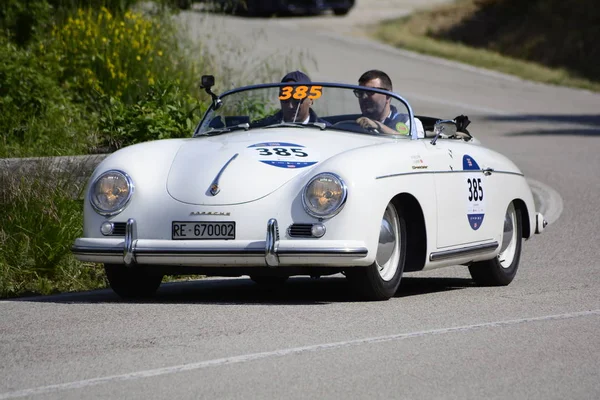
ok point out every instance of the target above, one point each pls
(293, 110)
(377, 112)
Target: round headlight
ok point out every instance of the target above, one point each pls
(324, 196)
(111, 192)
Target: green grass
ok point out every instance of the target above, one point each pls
(420, 32)
(41, 216)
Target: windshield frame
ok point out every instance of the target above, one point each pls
(413, 130)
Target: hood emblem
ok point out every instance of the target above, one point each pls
(213, 213)
(214, 186)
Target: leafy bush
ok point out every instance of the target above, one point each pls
(163, 112)
(38, 117)
(21, 20)
(118, 56)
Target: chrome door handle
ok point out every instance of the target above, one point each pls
(488, 171)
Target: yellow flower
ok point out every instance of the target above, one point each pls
(138, 58)
(160, 53)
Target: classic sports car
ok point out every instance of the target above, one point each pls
(257, 192)
(267, 7)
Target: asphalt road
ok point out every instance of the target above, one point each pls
(440, 337)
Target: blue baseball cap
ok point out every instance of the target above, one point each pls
(296, 76)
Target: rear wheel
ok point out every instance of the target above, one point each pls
(131, 282)
(501, 270)
(381, 280)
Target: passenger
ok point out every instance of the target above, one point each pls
(377, 112)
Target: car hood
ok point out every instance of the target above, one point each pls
(241, 167)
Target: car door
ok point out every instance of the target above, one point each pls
(464, 187)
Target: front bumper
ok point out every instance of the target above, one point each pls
(271, 252)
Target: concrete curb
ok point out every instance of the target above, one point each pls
(79, 164)
(78, 167)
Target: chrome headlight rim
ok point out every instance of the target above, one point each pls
(340, 206)
(110, 213)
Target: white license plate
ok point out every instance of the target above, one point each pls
(191, 230)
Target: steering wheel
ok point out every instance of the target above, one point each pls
(353, 126)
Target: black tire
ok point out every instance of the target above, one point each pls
(131, 282)
(341, 11)
(501, 270)
(380, 282)
(269, 280)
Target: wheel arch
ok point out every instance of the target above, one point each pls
(522, 207)
(416, 240)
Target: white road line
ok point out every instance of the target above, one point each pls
(280, 353)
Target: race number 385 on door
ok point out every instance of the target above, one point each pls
(475, 189)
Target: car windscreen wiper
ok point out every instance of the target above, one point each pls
(214, 132)
(320, 125)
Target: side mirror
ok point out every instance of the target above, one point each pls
(208, 81)
(445, 127)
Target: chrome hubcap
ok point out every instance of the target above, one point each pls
(509, 238)
(388, 249)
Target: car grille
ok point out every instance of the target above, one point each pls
(300, 230)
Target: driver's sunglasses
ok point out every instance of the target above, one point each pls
(364, 93)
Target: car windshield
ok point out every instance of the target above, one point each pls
(316, 105)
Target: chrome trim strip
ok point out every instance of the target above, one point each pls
(447, 172)
(129, 247)
(158, 252)
(465, 251)
(214, 186)
(338, 252)
(271, 243)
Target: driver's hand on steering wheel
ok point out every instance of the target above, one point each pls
(368, 123)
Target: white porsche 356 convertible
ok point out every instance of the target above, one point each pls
(281, 180)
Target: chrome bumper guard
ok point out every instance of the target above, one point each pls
(271, 253)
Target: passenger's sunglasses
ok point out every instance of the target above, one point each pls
(364, 93)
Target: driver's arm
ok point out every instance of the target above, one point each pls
(368, 123)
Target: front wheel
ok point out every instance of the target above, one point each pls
(501, 270)
(380, 280)
(130, 282)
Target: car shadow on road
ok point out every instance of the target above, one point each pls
(587, 124)
(298, 290)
